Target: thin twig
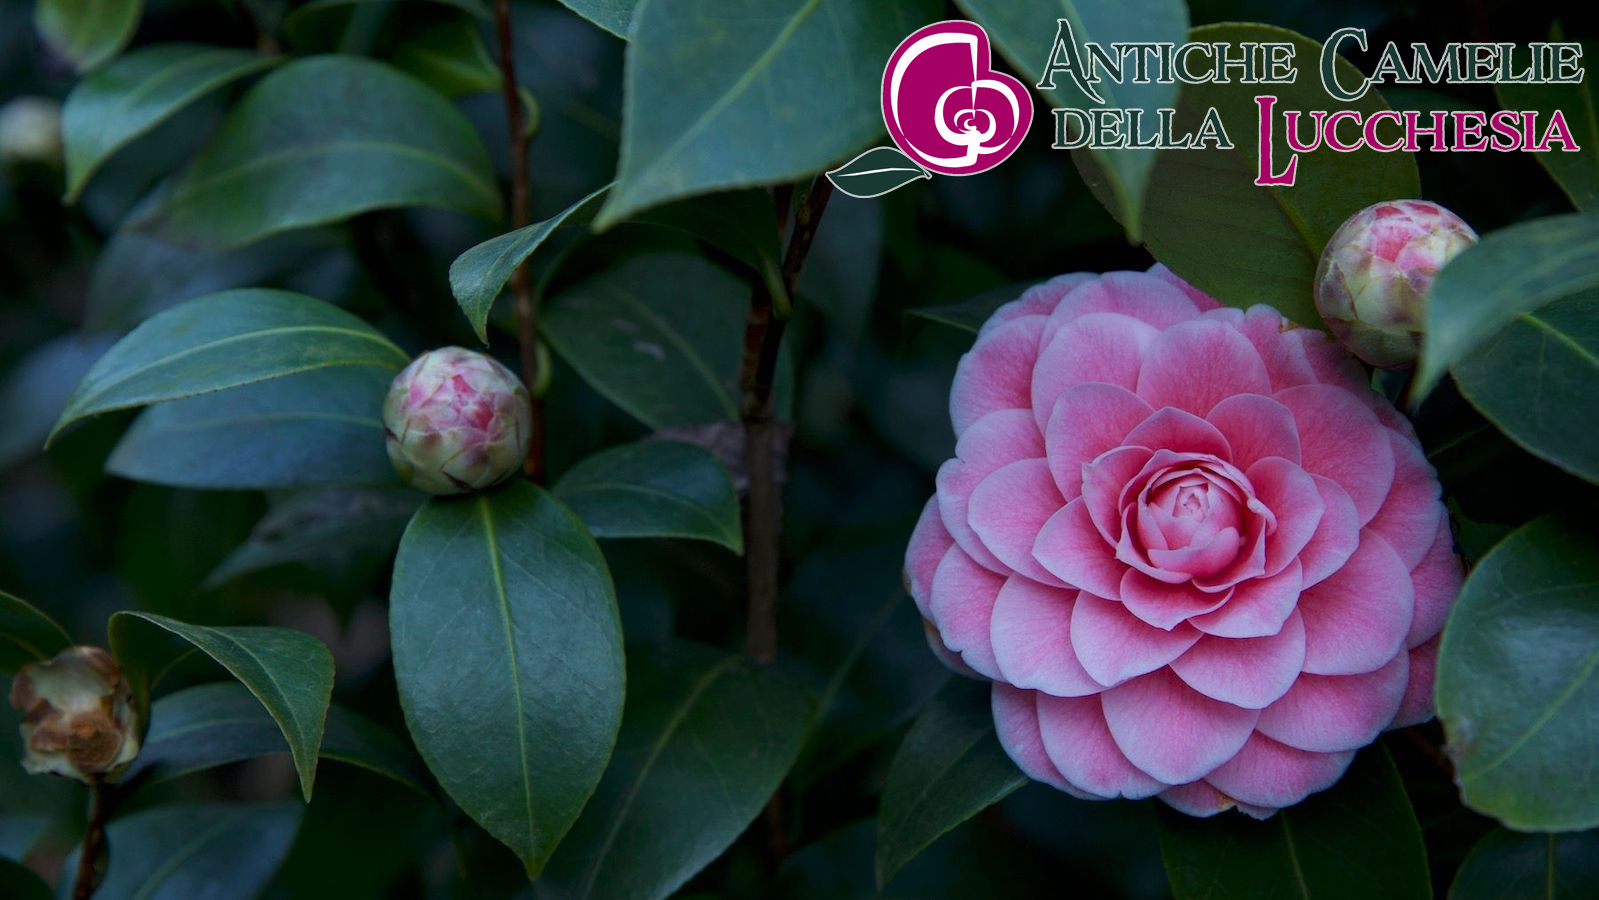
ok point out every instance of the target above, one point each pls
(88, 876)
(763, 335)
(521, 216)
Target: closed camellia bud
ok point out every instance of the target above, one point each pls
(78, 715)
(456, 421)
(1372, 283)
(30, 131)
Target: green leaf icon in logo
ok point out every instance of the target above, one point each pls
(876, 172)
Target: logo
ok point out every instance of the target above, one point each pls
(946, 110)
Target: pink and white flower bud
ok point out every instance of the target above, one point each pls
(1372, 283)
(78, 715)
(456, 421)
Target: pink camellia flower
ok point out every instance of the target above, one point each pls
(456, 421)
(1373, 278)
(1196, 555)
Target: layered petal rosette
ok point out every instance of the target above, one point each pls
(1196, 554)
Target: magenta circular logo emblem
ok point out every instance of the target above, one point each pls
(945, 108)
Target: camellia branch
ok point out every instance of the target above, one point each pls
(763, 335)
(88, 875)
(521, 216)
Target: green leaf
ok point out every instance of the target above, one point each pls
(1022, 32)
(1528, 378)
(1205, 218)
(317, 427)
(1505, 865)
(1359, 838)
(19, 882)
(764, 92)
(1516, 687)
(949, 768)
(876, 172)
(1510, 273)
(20, 833)
(351, 531)
(479, 275)
(87, 32)
(508, 656)
(191, 851)
(659, 336)
(27, 634)
(290, 672)
(612, 15)
(222, 341)
(321, 23)
(170, 539)
(654, 489)
(971, 313)
(36, 389)
(133, 95)
(322, 139)
(213, 725)
(706, 740)
(451, 57)
(1577, 173)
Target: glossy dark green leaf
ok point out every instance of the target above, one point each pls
(318, 427)
(87, 32)
(726, 95)
(322, 139)
(354, 529)
(19, 834)
(1577, 173)
(1505, 865)
(451, 57)
(876, 172)
(196, 852)
(213, 725)
(139, 91)
(659, 336)
(27, 634)
(1023, 32)
(1358, 838)
(1511, 272)
(1517, 690)
(321, 23)
(706, 739)
(36, 389)
(508, 657)
(227, 340)
(971, 313)
(949, 768)
(479, 275)
(170, 539)
(612, 15)
(741, 223)
(1205, 218)
(654, 489)
(290, 672)
(18, 882)
(969, 863)
(1530, 377)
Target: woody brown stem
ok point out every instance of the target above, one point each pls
(88, 875)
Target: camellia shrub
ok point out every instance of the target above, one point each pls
(473, 448)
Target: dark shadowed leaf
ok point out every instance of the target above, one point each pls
(612, 15)
(1203, 214)
(1577, 173)
(654, 489)
(706, 739)
(87, 32)
(322, 139)
(949, 768)
(1505, 865)
(318, 427)
(19, 834)
(171, 538)
(350, 530)
(876, 172)
(1023, 32)
(1530, 377)
(726, 95)
(289, 672)
(1511, 272)
(27, 634)
(1358, 838)
(136, 93)
(36, 389)
(506, 636)
(227, 340)
(216, 724)
(971, 313)
(1517, 691)
(970, 863)
(196, 852)
(658, 335)
(842, 272)
(453, 59)
(321, 24)
(19, 882)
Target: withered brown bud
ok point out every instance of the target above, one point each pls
(78, 715)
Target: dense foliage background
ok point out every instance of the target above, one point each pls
(214, 145)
